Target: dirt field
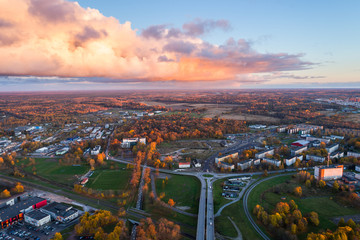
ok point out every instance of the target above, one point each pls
(225, 111)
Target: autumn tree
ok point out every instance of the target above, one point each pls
(322, 183)
(314, 218)
(57, 236)
(163, 230)
(171, 202)
(336, 186)
(5, 194)
(92, 164)
(19, 188)
(298, 191)
(100, 158)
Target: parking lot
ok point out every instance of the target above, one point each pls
(24, 231)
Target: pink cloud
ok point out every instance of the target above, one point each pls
(60, 38)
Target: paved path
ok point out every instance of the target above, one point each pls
(140, 193)
(239, 236)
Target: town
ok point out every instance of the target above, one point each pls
(139, 165)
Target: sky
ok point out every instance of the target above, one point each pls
(231, 44)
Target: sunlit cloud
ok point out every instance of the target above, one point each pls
(59, 38)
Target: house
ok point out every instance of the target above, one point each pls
(264, 153)
(84, 181)
(184, 164)
(331, 172)
(37, 218)
(315, 158)
(272, 161)
(245, 164)
(300, 143)
(196, 163)
(292, 160)
(14, 212)
(332, 148)
(130, 142)
(60, 212)
(96, 150)
(297, 150)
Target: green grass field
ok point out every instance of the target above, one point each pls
(187, 223)
(184, 190)
(315, 199)
(237, 214)
(52, 170)
(109, 179)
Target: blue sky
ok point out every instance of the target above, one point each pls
(321, 32)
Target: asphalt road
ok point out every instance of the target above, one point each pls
(210, 229)
(200, 232)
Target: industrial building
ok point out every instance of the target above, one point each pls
(60, 212)
(9, 214)
(37, 218)
(331, 172)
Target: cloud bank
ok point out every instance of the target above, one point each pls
(62, 39)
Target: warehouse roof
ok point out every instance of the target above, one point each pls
(12, 211)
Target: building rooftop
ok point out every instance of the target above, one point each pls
(60, 209)
(36, 214)
(330, 166)
(14, 210)
(246, 161)
(294, 148)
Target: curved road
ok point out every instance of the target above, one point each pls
(246, 208)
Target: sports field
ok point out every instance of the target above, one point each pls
(109, 179)
(52, 170)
